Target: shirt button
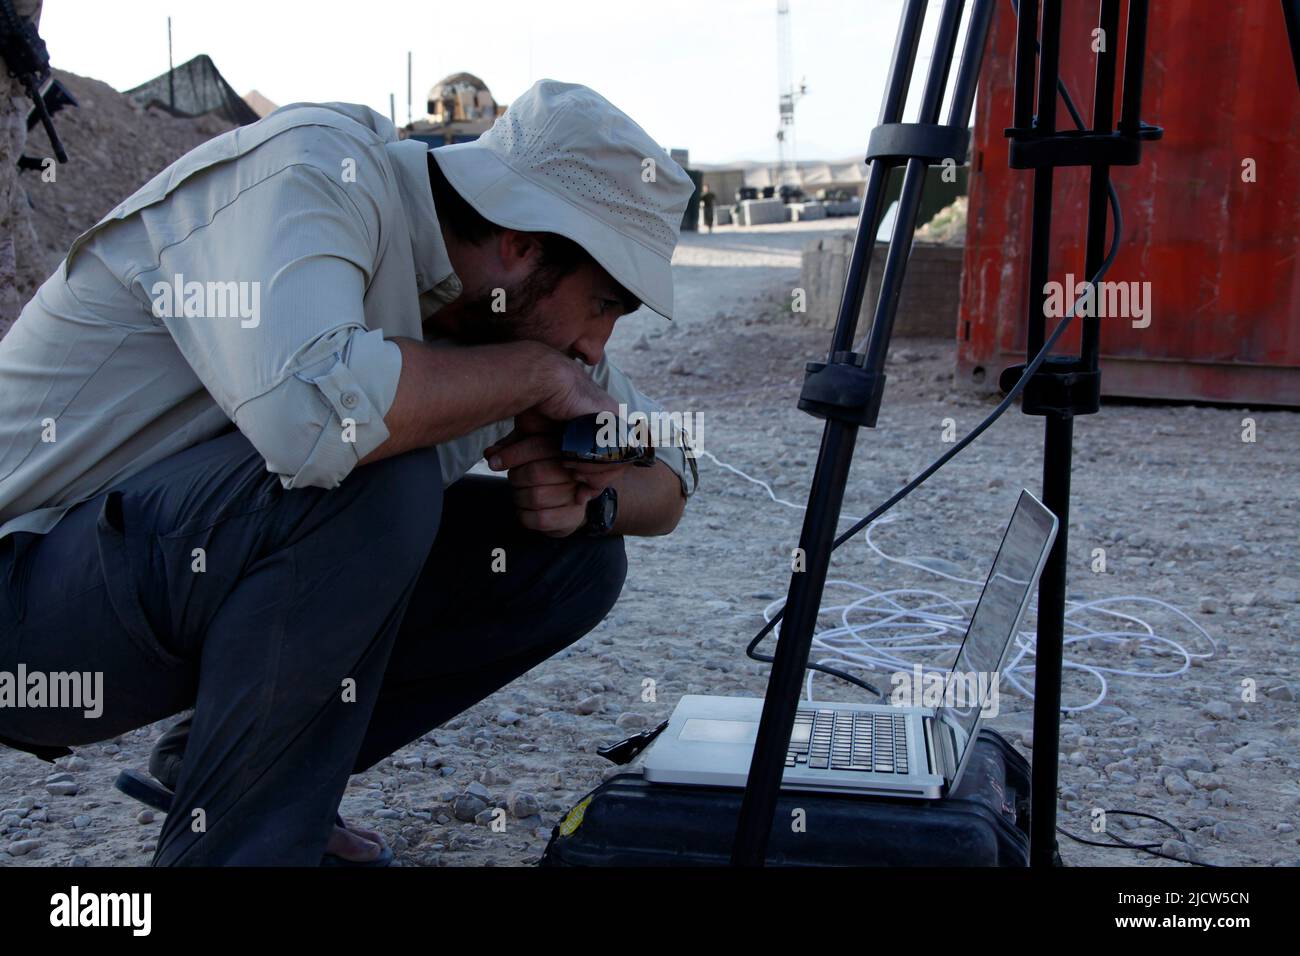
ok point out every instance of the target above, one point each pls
(349, 399)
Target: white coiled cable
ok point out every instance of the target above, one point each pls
(878, 632)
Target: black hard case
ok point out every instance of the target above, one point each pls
(628, 821)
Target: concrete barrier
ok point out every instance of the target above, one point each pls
(931, 290)
(802, 211)
(757, 212)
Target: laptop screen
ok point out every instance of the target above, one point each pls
(1006, 594)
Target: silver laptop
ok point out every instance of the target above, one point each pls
(872, 748)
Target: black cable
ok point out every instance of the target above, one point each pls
(1151, 848)
(751, 650)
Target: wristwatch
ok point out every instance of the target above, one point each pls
(601, 512)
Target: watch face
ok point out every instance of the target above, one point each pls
(602, 511)
(608, 507)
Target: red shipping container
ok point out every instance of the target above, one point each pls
(1211, 215)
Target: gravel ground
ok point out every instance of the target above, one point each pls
(1185, 511)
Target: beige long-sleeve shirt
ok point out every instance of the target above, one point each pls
(257, 280)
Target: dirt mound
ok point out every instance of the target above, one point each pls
(114, 147)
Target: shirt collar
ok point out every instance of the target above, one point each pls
(433, 272)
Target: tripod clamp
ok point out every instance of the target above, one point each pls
(1032, 148)
(1063, 385)
(895, 143)
(842, 390)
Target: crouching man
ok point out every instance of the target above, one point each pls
(238, 422)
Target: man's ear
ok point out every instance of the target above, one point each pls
(517, 251)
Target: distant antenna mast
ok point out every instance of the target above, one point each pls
(392, 108)
(171, 74)
(787, 173)
(409, 118)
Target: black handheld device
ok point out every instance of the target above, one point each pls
(585, 440)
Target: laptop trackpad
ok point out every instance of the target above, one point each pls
(712, 731)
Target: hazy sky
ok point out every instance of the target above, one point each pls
(697, 74)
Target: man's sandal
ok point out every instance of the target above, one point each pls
(142, 787)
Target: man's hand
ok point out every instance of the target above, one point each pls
(571, 394)
(550, 494)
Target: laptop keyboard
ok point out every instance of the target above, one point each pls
(848, 740)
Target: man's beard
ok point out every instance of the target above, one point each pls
(476, 322)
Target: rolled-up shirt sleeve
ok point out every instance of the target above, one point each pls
(282, 344)
(315, 425)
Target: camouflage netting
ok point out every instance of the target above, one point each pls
(195, 88)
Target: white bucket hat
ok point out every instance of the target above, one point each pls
(563, 159)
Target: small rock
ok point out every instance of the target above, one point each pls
(494, 777)
(467, 807)
(591, 705)
(76, 762)
(1231, 830)
(522, 804)
(1209, 605)
(81, 821)
(62, 788)
(145, 816)
(477, 789)
(631, 721)
(1217, 710)
(1191, 762)
(508, 717)
(22, 847)
(1281, 692)
(1256, 749)
(1206, 781)
(1178, 786)
(26, 803)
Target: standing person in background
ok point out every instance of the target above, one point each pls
(707, 200)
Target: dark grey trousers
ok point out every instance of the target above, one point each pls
(314, 632)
